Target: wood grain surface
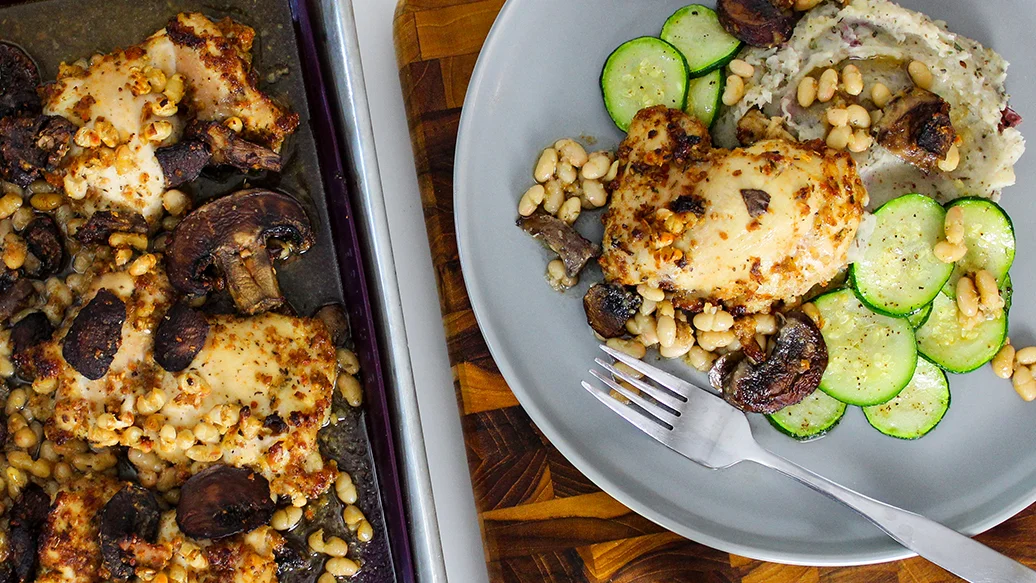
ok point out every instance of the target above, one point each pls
(541, 519)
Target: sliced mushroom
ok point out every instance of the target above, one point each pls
(30, 145)
(95, 335)
(45, 242)
(789, 374)
(229, 149)
(180, 336)
(28, 517)
(574, 249)
(290, 557)
(16, 293)
(336, 320)
(223, 243)
(130, 516)
(28, 333)
(222, 501)
(608, 307)
(760, 23)
(183, 161)
(102, 224)
(18, 80)
(916, 127)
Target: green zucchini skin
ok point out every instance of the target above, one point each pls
(871, 356)
(899, 273)
(704, 97)
(696, 32)
(810, 418)
(943, 341)
(918, 408)
(989, 236)
(641, 73)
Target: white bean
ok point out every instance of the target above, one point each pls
(546, 166)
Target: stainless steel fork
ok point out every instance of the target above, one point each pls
(706, 429)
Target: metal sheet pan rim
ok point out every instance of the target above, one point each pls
(341, 49)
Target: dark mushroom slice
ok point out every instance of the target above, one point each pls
(16, 293)
(31, 145)
(221, 501)
(19, 77)
(180, 336)
(130, 516)
(102, 224)
(28, 518)
(760, 23)
(223, 243)
(608, 307)
(229, 149)
(574, 249)
(183, 161)
(290, 557)
(46, 243)
(916, 127)
(31, 331)
(790, 373)
(95, 335)
(336, 320)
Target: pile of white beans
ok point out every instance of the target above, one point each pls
(568, 181)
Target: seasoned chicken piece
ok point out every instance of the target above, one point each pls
(129, 103)
(249, 392)
(745, 228)
(70, 549)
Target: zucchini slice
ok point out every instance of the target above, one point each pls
(641, 73)
(946, 343)
(704, 95)
(898, 273)
(871, 357)
(918, 318)
(810, 418)
(989, 235)
(917, 409)
(696, 32)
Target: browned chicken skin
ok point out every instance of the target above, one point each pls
(745, 228)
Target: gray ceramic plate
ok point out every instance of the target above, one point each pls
(536, 81)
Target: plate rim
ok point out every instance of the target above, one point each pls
(479, 305)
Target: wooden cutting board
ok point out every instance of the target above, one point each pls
(541, 519)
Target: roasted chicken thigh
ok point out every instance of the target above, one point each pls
(744, 228)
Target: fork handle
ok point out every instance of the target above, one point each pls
(958, 554)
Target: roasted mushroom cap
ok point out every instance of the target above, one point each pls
(180, 336)
(16, 293)
(223, 243)
(31, 144)
(95, 335)
(222, 501)
(229, 149)
(789, 374)
(102, 224)
(129, 518)
(608, 307)
(290, 557)
(18, 80)
(574, 249)
(29, 332)
(760, 23)
(916, 127)
(183, 161)
(44, 240)
(28, 517)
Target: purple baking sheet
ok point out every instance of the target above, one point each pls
(350, 265)
(319, 174)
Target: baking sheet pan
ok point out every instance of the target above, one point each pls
(286, 57)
